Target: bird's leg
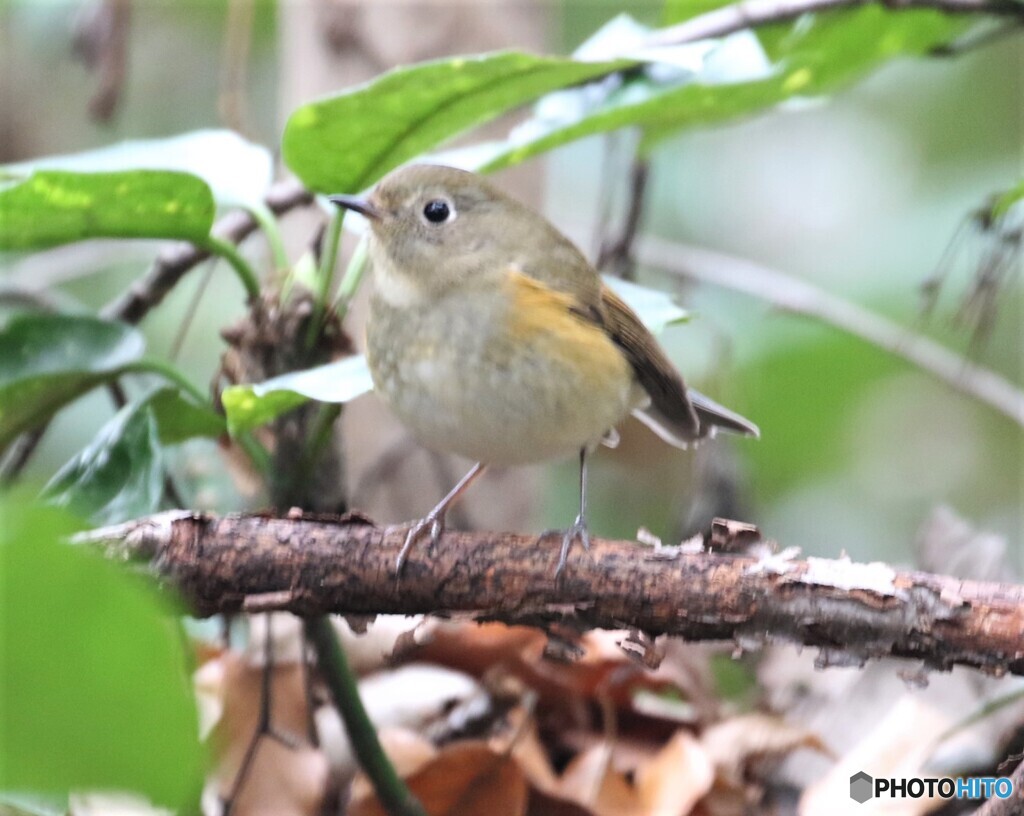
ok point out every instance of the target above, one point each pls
(434, 520)
(578, 530)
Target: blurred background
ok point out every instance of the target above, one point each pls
(866, 195)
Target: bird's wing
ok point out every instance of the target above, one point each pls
(676, 416)
(670, 413)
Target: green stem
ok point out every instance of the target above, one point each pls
(330, 256)
(988, 708)
(152, 365)
(353, 277)
(229, 252)
(391, 790)
(268, 223)
(318, 436)
(328, 260)
(258, 454)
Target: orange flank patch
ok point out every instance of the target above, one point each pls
(541, 315)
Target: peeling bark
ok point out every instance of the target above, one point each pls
(316, 565)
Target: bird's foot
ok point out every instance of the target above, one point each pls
(577, 532)
(432, 523)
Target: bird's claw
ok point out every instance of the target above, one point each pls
(434, 522)
(577, 532)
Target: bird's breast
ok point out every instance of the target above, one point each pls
(505, 375)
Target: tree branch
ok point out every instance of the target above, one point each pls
(800, 297)
(753, 13)
(315, 565)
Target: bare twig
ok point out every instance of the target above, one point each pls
(800, 297)
(101, 41)
(231, 102)
(173, 263)
(616, 254)
(753, 13)
(852, 612)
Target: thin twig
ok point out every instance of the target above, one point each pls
(263, 721)
(101, 42)
(800, 297)
(616, 254)
(753, 13)
(231, 101)
(174, 262)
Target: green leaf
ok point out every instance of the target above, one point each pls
(95, 692)
(818, 55)
(53, 207)
(238, 171)
(119, 475)
(823, 52)
(678, 11)
(179, 419)
(1005, 201)
(345, 143)
(48, 360)
(248, 406)
(20, 804)
(655, 309)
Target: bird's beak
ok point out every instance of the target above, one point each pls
(362, 206)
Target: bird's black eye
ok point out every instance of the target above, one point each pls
(437, 211)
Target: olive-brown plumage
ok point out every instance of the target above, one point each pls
(491, 336)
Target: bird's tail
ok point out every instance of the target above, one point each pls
(711, 417)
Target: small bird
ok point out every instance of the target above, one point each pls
(491, 336)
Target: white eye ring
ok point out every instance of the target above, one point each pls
(439, 211)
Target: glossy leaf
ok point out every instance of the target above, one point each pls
(95, 692)
(119, 475)
(238, 171)
(344, 143)
(248, 406)
(817, 56)
(1004, 202)
(48, 360)
(179, 419)
(53, 207)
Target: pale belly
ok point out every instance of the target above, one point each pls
(462, 388)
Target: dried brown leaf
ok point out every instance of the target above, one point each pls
(464, 779)
(733, 744)
(673, 781)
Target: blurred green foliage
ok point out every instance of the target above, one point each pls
(95, 694)
(46, 361)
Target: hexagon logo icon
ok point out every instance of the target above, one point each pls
(861, 787)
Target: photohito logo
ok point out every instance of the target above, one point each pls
(864, 787)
